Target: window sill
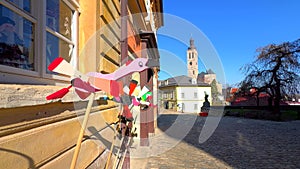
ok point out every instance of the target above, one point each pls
(13, 96)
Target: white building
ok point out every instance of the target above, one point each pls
(182, 93)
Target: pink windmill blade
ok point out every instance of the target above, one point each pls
(83, 89)
(83, 86)
(82, 95)
(111, 87)
(59, 94)
(135, 102)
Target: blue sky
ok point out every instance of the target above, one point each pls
(226, 33)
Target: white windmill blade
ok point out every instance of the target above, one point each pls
(126, 89)
(59, 65)
(144, 91)
(145, 102)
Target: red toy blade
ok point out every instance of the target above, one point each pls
(132, 86)
(59, 94)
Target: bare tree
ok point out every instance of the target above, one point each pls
(275, 71)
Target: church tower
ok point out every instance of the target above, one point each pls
(192, 60)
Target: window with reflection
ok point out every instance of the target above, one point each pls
(59, 31)
(16, 40)
(57, 47)
(23, 4)
(35, 32)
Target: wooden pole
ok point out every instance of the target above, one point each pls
(83, 127)
(124, 48)
(121, 163)
(111, 148)
(118, 153)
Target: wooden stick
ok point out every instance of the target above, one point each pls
(83, 127)
(129, 141)
(117, 155)
(119, 123)
(125, 153)
(111, 148)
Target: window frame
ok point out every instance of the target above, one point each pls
(38, 18)
(63, 38)
(28, 16)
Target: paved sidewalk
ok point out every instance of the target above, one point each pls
(236, 143)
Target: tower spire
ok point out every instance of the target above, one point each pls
(192, 44)
(192, 60)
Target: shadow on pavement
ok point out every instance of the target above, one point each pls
(240, 143)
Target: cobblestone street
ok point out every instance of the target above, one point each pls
(236, 143)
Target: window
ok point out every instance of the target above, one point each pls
(34, 33)
(171, 95)
(23, 4)
(191, 63)
(16, 40)
(195, 95)
(165, 95)
(59, 31)
(182, 95)
(195, 106)
(189, 55)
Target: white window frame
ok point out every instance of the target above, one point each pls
(195, 95)
(26, 15)
(38, 18)
(74, 27)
